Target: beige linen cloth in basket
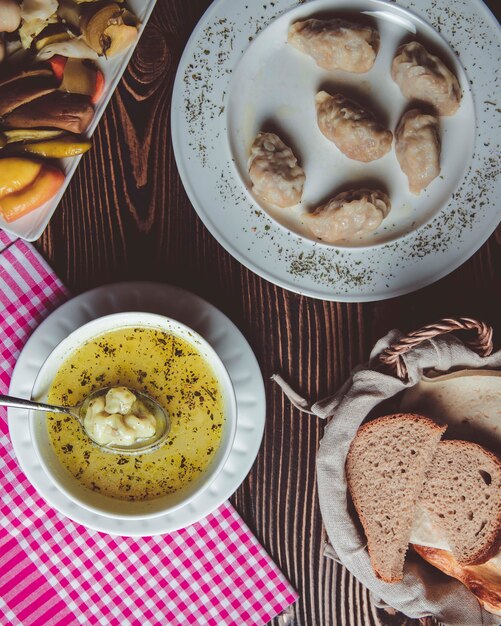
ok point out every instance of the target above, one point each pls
(423, 591)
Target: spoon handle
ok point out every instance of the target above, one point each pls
(20, 403)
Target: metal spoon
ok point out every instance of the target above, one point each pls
(140, 446)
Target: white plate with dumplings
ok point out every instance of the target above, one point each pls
(240, 76)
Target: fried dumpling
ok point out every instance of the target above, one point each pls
(355, 131)
(275, 174)
(336, 44)
(417, 144)
(424, 77)
(349, 215)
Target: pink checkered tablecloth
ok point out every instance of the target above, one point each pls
(56, 572)
(5, 240)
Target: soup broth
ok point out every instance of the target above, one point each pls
(168, 369)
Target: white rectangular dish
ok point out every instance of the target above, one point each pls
(32, 225)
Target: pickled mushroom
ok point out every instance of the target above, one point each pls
(108, 29)
(36, 16)
(10, 16)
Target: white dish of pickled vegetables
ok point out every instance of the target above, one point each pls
(43, 137)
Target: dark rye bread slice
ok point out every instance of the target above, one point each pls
(462, 494)
(385, 470)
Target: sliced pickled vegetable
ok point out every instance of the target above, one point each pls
(83, 76)
(71, 12)
(18, 87)
(107, 28)
(35, 134)
(117, 38)
(58, 63)
(32, 28)
(94, 29)
(43, 188)
(17, 173)
(38, 9)
(43, 41)
(23, 91)
(41, 72)
(59, 148)
(75, 48)
(100, 84)
(67, 111)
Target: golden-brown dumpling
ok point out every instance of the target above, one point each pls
(349, 215)
(355, 131)
(336, 44)
(417, 144)
(276, 176)
(422, 76)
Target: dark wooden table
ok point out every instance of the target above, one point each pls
(126, 216)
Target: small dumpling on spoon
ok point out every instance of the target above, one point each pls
(276, 177)
(353, 129)
(417, 145)
(336, 44)
(348, 216)
(424, 77)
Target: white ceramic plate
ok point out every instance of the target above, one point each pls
(221, 98)
(32, 225)
(211, 324)
(274, 86)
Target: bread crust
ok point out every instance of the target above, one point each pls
(414, 417)
(494, 542)
(484, 581)
(372, 426)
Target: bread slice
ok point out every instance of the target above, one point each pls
(484, 581)
(462, 495)
(385, 470)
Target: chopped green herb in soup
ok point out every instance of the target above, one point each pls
(168, 369)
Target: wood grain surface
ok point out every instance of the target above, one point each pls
(126, 216)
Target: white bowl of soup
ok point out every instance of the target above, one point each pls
(164, 359)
